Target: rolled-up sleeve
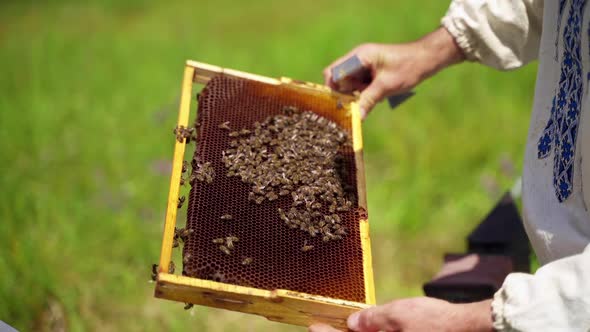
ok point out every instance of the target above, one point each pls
(503, 34)
(555, 298)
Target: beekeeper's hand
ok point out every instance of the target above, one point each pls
(397, 68)
(420, 314)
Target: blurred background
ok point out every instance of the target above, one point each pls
(88, 99)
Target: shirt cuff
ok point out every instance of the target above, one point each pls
(456, 27)
(498, 319)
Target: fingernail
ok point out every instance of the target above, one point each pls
(353, 321)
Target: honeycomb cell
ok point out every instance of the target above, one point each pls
(332, 269)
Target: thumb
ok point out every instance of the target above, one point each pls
(373, 319)
(370, 96)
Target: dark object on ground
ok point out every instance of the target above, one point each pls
(497, 247)
(502, 233)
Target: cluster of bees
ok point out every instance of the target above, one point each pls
(202, 172)
(294, 154)
(315, 223)
(227, 244)
(181, 235)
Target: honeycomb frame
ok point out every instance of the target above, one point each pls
(281, 305)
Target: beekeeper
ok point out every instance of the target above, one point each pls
(506, 34)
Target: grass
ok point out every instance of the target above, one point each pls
(88, 97)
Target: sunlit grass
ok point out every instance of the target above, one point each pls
(88, 98)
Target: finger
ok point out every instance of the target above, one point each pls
(322, 328)
(372, 320)
(328, 77)
(373, 94)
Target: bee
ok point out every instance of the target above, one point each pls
(282, 214)
(316, 205)
(271, 196)
(184, 166)
(226, 217)
(183, 233)
(188, 305)
(306, 247)
(312, 231)
(247, 261)
(230, 241)
(225, 250)
(258, 190)
(179, 132)
(326, 238)
(192, 179)
(200, 176)
(259, 200)
(345, 207)
(339, 104)
(182, 181)
(154, 272)
(332, 208)
(224, 125)
(340, 231)
(234, 134)
(244, 132)
(186, 258)
(180, 201)
(284, 192)
(251, 196)
(219, 241)
(171, 267)
(190, 134)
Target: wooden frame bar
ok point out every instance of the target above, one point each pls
(278, 305)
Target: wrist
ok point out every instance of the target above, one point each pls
(477, 316)
(439, 50)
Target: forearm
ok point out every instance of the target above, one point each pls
(439, 50)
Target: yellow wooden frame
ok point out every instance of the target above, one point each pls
(278, 305)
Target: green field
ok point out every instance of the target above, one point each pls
(88, 100)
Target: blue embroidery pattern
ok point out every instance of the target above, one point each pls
(562, 128)
(559, 17)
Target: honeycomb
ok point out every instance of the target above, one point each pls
(273, 252)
